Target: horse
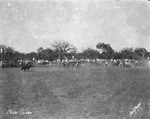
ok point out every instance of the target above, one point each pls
(78, 63)
(27, 66)
(66, 64)
(116, 63)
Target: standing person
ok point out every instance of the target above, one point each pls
(118, 62)
(106, 63)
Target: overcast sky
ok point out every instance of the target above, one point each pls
(28, 24)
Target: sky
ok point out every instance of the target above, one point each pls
(27, 25)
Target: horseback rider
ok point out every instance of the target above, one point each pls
(26, 65)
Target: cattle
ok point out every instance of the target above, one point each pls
(27, 66)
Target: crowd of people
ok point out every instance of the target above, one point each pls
(81, 62)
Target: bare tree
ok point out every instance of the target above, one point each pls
(63, 48)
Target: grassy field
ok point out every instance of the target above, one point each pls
(88, 92)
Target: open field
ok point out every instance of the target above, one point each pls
(88, 92)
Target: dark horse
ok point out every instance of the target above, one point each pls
(116, 63)
(27, 66)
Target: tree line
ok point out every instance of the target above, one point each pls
(61, 50)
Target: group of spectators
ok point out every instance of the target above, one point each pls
(73, 62)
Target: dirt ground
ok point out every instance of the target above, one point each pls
(88, 92)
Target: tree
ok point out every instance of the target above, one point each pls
(9, 53)
(91, 53)
(40, 49)
(63, 48)
(31, 55)
(18, 56)
(105, 49)
(147, 55)
(49, 54)
(127, 53)
(2, 50)
(46, 54)
(39, 52)
(117, 55)
(140, 52)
